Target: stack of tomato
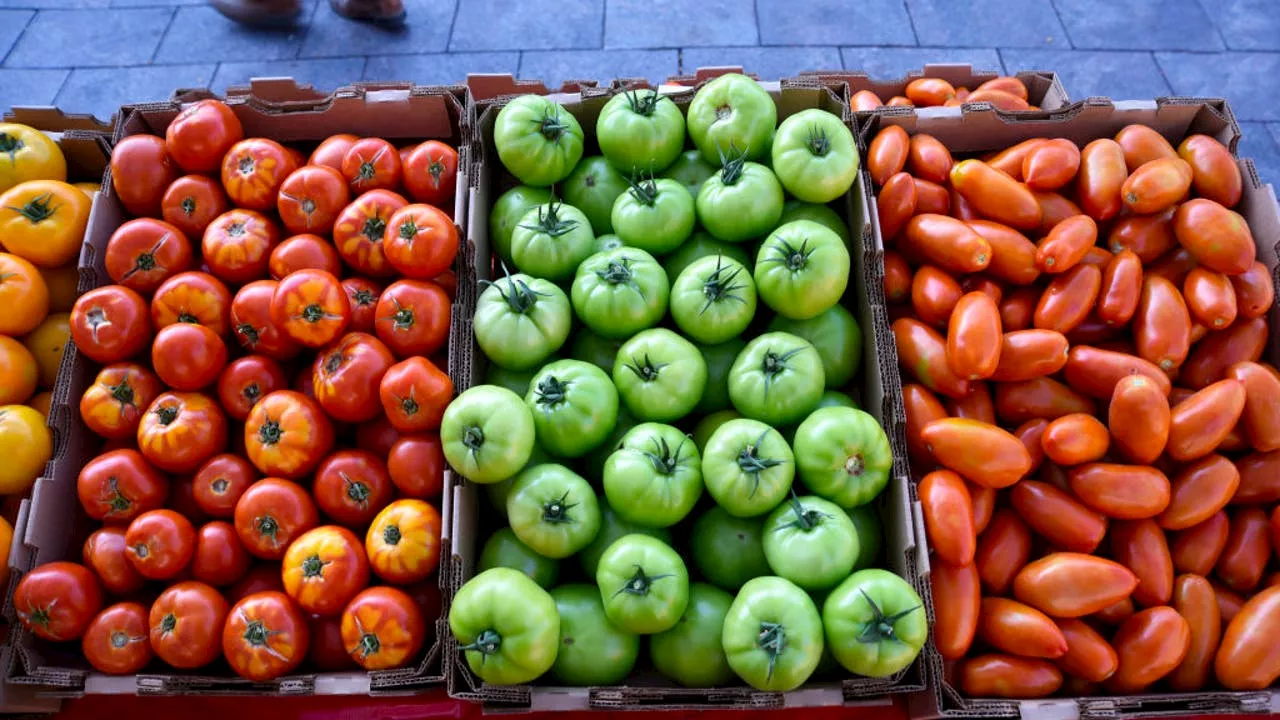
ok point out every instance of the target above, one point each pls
(1109, 437)
(268, 404)
(1006, 93)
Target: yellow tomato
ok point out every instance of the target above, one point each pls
(43, 221)
(88, 188)
(24, 296)
(6, 542)
(18, 372)
(28, 154)
(47, 343)
(62, 282)
(40, 402)
(26, 446)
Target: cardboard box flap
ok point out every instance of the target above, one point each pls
(52, 119)
(704, 74)
(278, 91)
(490, 86)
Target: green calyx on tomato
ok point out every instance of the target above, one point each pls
(574, 406)
(487, 434)
(747, 467)
(802, 269)
(538, 140)
(655, 478)
(507, 627)
(521, 321)
(741, 202)
(843, 455)
(640, 130)
(836, 335)
(644, 584)
(620, 292)
(551, 240)
(773, 635)
(778, 378)
(713, 300)
(660, 375)
(553, 510)
(810, 542)
(656, 215)
(814, 156)
(875, 623)
(507, 212)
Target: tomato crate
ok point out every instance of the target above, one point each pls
(52, 524)
(976, 130)
(468, 523)
(1045, 92)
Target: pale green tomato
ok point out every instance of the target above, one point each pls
(814, 156)
(747, 467)
(640, 131)
(836, 335)
(620, 292)
(655, 478)
(612, 527)
(709, 424)
(593, 187)
(713, 300)
(843, 455)
(732, 113)
(521, 321)
(644, 584)
(487, 434)
(866, 518)
(773, 635)
(660, 376)
(507, 626)
(777, 378)
(551, 240)
(574, 406)
(592, 650)
(875, 623)
(741, 202)
(810, 542)
(507, 212)
(801, 270)
(553, 510)
(655, 215)
(691, 652)
(700, 245)
(537, 140)
(605, 243)
(504, 549)
(821, 214)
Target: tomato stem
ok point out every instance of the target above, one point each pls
(473, 440)
(773, 641)
(818, 142)
(167, 414)
(270, 433)
(188, 206)
(391, 535)
(356, 490)
(10, 145)
(774, 364)
(122, 393)
(313, 566)
(796, 259)
(664, 460)
(880, 628)
(718, 286)
(732, 164)
(518, 295)
(256, 633)
(646, 370)
(556, 512)
(549, 222)
(640, 583)
(644, 190)
(807, 519)
(751, 464)
(551, 126)
(643, 101)
(619, 273)
(487, 643)
(38, 209)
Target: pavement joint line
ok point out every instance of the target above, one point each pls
(1065, 32)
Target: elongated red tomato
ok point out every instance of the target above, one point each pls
(1068, 299)
(1031, 433)
(1013, 256)
(1065, 584)
(1019, 629)
(1121, 288)
(1249, 656)
(896, 204)
(996, 195)
(974, 337)
(887, 154)
(947, 243)
(1199, 490)
(1089, 656)
(957, 599)
(1138, 418)
(1162, 324)
(948, 516)
(1194, 600)
(1058, 517)
(1074, 439)
(1066, 244)
(1009, 676)
(922, 408)
(1199, 424)
(1244, 558)
(1003, 548)
(983, 453)
(1151, 644)
(1140, 545)
(923, 353)
(1124, 492)
(1261, 416)
(1197, 549)
(1102, 174)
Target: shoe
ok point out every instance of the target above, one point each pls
(267, 13)
(388, 13)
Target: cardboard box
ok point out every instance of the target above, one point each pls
(1044, 89)
(976, 130)
(84, 139)
(649, 691)
(52, 525)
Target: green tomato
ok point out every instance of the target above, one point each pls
(814, 156)
(837, 337)
(592, 650)
(521, 321)
(605, 243)
(835, 398)
(728, 550)
(713, 300)
(719, 359)
(691, 653)
(778, 378)
(620, 292)
(593, 187)
(810, 542)
(640, 131)
(537, 140)
(507, 626)
(507, 212)
(700, 245)
(773, 635)
(504, 549)
(690, 170)
(597, 350)
(866, 520)
(487, 434)
(732, 113)
(843, 455)
(517, 381)
(574, 406)
(875, 623)
(593, 462)
(551, 240)
(612, 527)
(741, 202)
(659, 375)
(747, 467)
(655, 478)
(644, 584)
(498, 492)
(801, 270)
(655, 215)
(553, 510)
(709, 424)
(822, 214)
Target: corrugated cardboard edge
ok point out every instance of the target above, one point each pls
(46, 529)
(976, 128)
(1044, 87)
(901, 543)
(85, 140)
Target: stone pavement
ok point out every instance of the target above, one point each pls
(93, 55)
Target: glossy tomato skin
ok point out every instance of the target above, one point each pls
(104, 553)
(1195, 601)
(352, 486)
(895, 204)
(253, 171)
(331, 151)
(1074, 439)
(1156, 185)
(1041, 397)
(252, 323)
(1248, 658)
(957, 598)
(1029, 354)
(981, 452)
(119, 485)
(372, 164)
(948, 516)
(1058, 517)
(346, 374)
(201, 134)
(1003, 548)
(1197, 549)
(1198, 424)
(1200, 489)
(1141, 546)
(1138, 418)
(140, 171)
(246, 380)
(265, 636)
(363, 295)
(311, 198)
(110, 324)
(421, 241)
(1124, 492)
(188, 356)
(112, 407)
(192, 297)
(287, 434)
(116, 640)
(192, 202)
(143, 253)
(325, 568)
(1244, 558)
(1065, 584)
(1150, 645)
(922, 408)
(311, 308)
(220, 558)
(1218, 238)
(376, 436)
(414, 394)
(1210, 358)
(271, 514)
(360, 228)
(416, 464)
(56, 601)
(431, 173)
(1096, 371)
(237, 245)
(1068, 299)
(186, 622)
(412, 317)
(974, 336)
(304, 252)
(1254, 292)
(947, 243)
(220, 482)
(1259, 479)
(922, 351)
(934, 295)
(887, 154)
(160, 544)
(1051, 164)
(996, 195)
(181, 430)
(1141, 145)
(1089, 656)
(382, 628)
(928, 159)
(1261, 416)
(1009, 676)
(262, 577)
(1020, 629)
(1102, 174)
(403, 542)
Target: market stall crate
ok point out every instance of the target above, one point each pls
(52, 524)
(1041, 89)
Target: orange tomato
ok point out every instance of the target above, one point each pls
(1194, 600)
(1066, 584)
(1162, 324)
(996, 195)
(887, 154)
(1125, 492)
(1210, 358)
(928, 159)
(957, 599)
(324, 568)
(1216, 237)
(1028, 354)
(253, 171)
(983, 453)
(1042, 397)
(1095, 372)
(1148, 236)
(1261, 416)
(896, 204)
(1197, 549)
(383, 628)
(1254, 292)
(1214, 172)
(1074, 439)
(23, 294)
(113, 405)
(1141, 145)
(1030, 433)
(1013, 256)
(923, 352)
(1156, 186)
(974, 337)
(1066, 244)
(237, 245)
(1058, 517)
(1089, 656)
(977, 405)
(360, 228)
(403, 542)
(1115, 613)
(934, 294)
(1051, 164)
(311, 307)
(1141, 546)
(1249, 657)
(1150, 645)
(287, 434)
(1019, 629)
(1009, 161)
(1121, 289)
(1244, 558)
(1068, 299)
(865, 100)
(929, 92)
(1102, 174)
(331, 150)
(948, 516)
(1018, 308)
(180, 430)
(1198, 424)
(192, 297)
(922, 408)
(947, 243)
(1259, 478)
(1009, 676)
(1199, 491)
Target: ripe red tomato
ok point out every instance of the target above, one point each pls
(192, 297)
(143, 253)
(160, 544)
(262, 577)
(251, 319)
(116, 640)
(311, 198)
(188, 356)
(351, 486)
(253, 171)
(287, 434)
(104, 553)
(372, 164)
(331, 151)
(1012, 627)
(1009, 676)
(431, 173)
(109, 324)
(141, 169)
(192, 202)
(416, 466)
(113, 405)
(412, 317)
(186, 622)
(948, 515)
(219, 483)
(271, 514)
(382, 628)
(220, 558)
(247, 380)
(56, 601)
(346, 375)
(1066, 584)
(311, 308)
(327, 652)
(201, 134)
(420, 242)
(119, 485)
(324, 569)
(363, 294)
(414, 394)
(360, 228)
(377, 436)
(266, 636)
(304, 252)
(181, 430)
(1141, 546)
(1150, 645)
(237, 245)
(403, 542)
(1248, 658)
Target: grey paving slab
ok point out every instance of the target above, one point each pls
(441, 69)
(891, 63)
(834, 22)
(987, 23)
(556, 66)
(30, 87)
(1274, 129)
(326, 74)
(1120, 75)
(426, 30)
(154, 3)
(770, 63)
(84, 38)
(1250, 81)
(1260, 144)
(200, 34)
(102, 91)
(12, 23)
(515, 25)
(1139, 25)
(1246, 24)
(55, 4)
(680, 23)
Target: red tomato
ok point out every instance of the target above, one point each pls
(1138, 418)
(143, 253)
(324, 569)
(1195, 601)
(186, 622)
(412, 317)
(109, 324)
(247, 380)
(1259, 478)
(1249, 658)
(271, 514)
(192, 202)
(1218, 238)
(112, 407)
(957, 596)
(1068, 299)
(1066, 584)
(160, 544)
(1140, 545)
(262, 577)
(431, 173)
(201, 134)
(311, 198)
(1009, 676)
(56, 601)
(382, 628)
(1261, 416)
(237, 245)
(266, 636)
(311, 308)
(416, 466)
(253, 171)
(1058, 517)
(1124, 492)
(887, 154)
(982, 453)
(116, 640)
(1019, 629)
(1115, 613)
(934, 295)
(327, 652)
(1074, 439)
(119, 485)
(220, 558)
(420, 241)
(187, 356)
(1089, 656)
(1150, 645)
(974, 336)
(287, 434)
(331, 150)
(1254, 292)
(251, 319)
(923, 352)
(346, 376)
(414, 394)
(377, 436)
(360, 229)
(948, 516)
(363, 295)
(304, 252)
(181, 430)
(104, 553)
(403, 542)
(1199, 490)
(1197, 549)
(220, 482)
(351, 486)
(372, 164)
(1198, 424)
(192, 297)
(1003, 548)
(141, 169)
(1244, 558)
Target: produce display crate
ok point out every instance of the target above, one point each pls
(1044, 88)
(85, 140)
(976, 129)
(648, 691)
(52, 525)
